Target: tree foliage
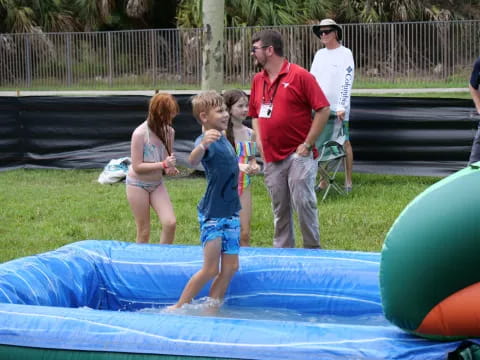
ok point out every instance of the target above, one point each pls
(34, 16)
(92, 15)
(289, 12)
(20, 16)
(256, 12)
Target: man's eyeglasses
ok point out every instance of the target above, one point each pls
(326, 31)
(254, 48)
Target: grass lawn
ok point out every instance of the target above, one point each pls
(45, 209)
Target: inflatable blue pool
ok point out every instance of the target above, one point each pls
(88, 300)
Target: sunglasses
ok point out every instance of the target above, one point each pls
(325, 32)
(253, 49)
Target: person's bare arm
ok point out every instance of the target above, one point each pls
(475, 96)
(256, 129)
(318, 123)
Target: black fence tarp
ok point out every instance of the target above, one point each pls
(415, 136)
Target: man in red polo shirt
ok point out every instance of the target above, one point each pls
(281, 101)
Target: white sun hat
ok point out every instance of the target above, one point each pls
(328, 23)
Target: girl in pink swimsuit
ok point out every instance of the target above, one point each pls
(152, 157)
(243, 140)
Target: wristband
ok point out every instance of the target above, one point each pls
(309, 147)
(164, 165)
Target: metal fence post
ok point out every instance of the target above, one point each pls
(244, 65)
(392, 52)
(153, 61)
(68, 58)
(110, 59)
(28, 62)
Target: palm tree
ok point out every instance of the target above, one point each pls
(91, 15)
(364, 11)
(285, 12)
(377, 11)
(55, 16)
(95, 15)
(34, 16)
(255, 12)
(16, 17)
(189, 14)
(138, 8)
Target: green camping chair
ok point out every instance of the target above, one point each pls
(331, 155)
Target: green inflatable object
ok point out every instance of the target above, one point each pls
(430, 255)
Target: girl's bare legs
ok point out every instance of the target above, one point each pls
(139, 201)
(245, 216)
(211, 261)
(162, 205)
(229, 267)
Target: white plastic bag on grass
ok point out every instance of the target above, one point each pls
(115, 171)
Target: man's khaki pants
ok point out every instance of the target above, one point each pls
(292, 182)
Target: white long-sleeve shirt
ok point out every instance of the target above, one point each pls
(334, 70)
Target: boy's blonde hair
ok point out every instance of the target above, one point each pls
(205, 101)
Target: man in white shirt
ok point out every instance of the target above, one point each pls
(333, 67)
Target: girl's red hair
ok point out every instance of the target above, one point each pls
(161, 111)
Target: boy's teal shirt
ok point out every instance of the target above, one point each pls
(221, 168)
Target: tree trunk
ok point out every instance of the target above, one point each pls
(212, 68)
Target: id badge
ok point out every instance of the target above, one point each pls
(266, 111)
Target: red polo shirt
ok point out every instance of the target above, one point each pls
(295, 93)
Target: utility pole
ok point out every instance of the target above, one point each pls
(212, 66)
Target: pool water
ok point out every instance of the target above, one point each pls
(210, 307)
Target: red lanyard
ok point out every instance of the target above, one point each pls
(276, 87)
(274, 92)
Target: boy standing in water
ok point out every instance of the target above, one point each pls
(218, 210)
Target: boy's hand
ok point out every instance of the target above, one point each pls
(211, 136)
